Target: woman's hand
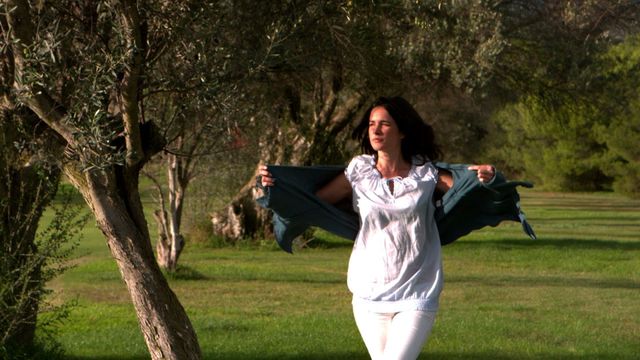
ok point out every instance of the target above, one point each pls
(485, 172)
(267, 179)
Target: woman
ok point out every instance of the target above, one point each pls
(395, 269)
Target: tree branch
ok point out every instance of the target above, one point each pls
(37, 99)
(161, 197)
(331, 100)
(131, 84)
(347, 112)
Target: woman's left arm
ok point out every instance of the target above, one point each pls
(486, 173)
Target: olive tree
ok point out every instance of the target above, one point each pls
(84, 69)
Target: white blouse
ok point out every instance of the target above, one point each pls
(396, 261)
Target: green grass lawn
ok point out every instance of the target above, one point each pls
(572, 294)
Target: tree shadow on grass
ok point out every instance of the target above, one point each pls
(107, 357)
(357, 356)
(310, 356)
(320, 243)
(489, 355)
(546, 281)
(520, 242)
(184, 272)
(593, 220)
(243, 356)
(492, 355)
(561, 243)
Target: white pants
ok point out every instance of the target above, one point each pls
(394, 336)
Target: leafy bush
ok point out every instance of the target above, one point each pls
(23, 277)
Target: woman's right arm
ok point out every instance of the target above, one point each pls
(333, 192)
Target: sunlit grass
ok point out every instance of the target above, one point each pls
(572, 294)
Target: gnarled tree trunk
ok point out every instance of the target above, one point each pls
(320, 141)
(242, 218)
(163, 321)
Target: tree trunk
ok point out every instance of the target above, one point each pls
(323, 143)
(177, 189)
(163, 247)
(164, 323)
(242, 218)
(170, 240)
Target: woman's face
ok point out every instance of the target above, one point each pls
(384, 134)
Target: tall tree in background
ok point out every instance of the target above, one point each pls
(321, 73)
(551, 45)
(198, 100)
(446, 55)
(194, 132)
(265, 74)
(335, 57)
(620, 97)
(553, 72)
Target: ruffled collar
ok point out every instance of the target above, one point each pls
(419, 169)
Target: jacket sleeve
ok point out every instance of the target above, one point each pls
(470, 205)
(295, 206)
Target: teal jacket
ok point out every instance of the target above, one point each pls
(469, 204)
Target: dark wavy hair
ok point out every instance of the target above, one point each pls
(419, 138)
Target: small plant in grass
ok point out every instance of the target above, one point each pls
(200, 232)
